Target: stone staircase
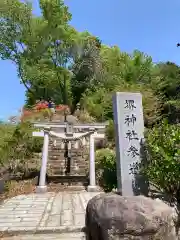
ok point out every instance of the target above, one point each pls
(71, 171)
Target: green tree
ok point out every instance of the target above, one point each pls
(166, 85)
(123, 72)
(52, 59)
(29, 41)
(15, 18)
(87, 69)
(121, 67)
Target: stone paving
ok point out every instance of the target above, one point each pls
(38, 214)
(53, 236)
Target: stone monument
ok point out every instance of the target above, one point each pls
(129, 128)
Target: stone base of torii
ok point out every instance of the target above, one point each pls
(91, 132)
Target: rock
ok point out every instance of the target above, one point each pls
(110, 216)
(36, 179)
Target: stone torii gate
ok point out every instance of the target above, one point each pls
(67, 133)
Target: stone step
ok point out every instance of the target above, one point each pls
(55, 158)
(56, 161)
(55, 165)
(68, 180)
(60, 169)
(48, 236)
(63, 166)
(61, 172)
(62, 158)
(52, 154)
(62, 163)
(72, 150)
(72, 160)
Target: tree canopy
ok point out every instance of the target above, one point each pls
(55, 61)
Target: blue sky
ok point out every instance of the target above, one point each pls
(149, 26)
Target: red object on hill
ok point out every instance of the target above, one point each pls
(61, 107)
(40, 106)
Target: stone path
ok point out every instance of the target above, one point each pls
(53, 236)
(37, 214)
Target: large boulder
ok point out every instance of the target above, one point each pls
(110, 216)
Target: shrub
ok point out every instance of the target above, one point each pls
(85, 117)
(17, 149)
(106, 168)
(163, 159)
(110, 132)
(162, 165)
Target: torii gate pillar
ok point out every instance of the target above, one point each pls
(92, 172)
(42, 187)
